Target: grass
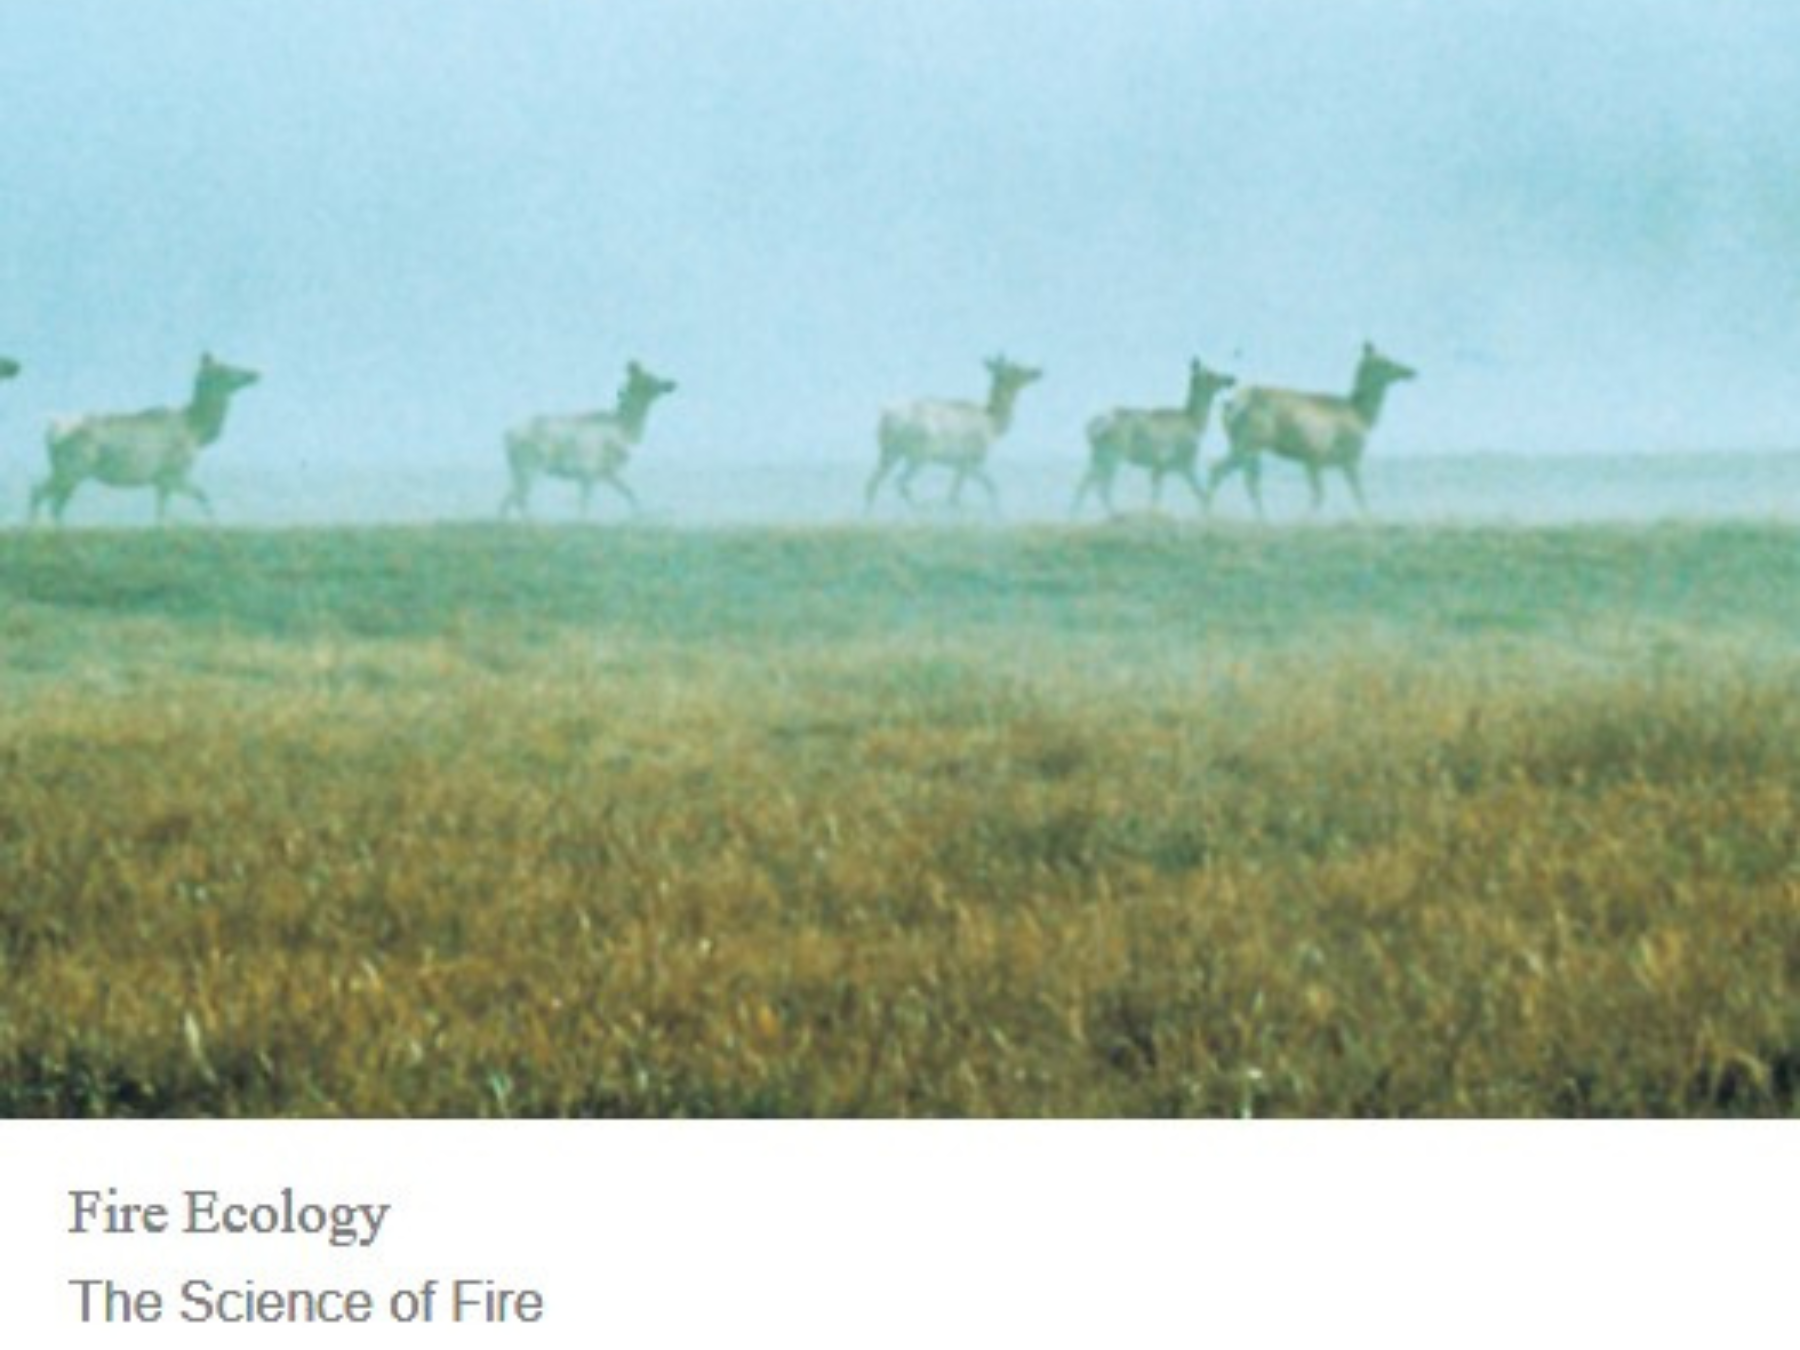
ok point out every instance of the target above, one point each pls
(465, 821)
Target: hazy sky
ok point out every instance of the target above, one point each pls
(424, 219)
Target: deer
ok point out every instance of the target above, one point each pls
(954, 434)
(1320, 431)
(156, 448)
(1163, 440)
(588, 448)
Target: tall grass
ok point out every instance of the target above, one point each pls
(1022, 823)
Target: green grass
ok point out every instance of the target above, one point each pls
(1114, 821)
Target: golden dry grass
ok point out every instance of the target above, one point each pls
(417, 823)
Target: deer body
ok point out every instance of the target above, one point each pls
(156, 448)
(587, 448)
(955, 435)
(1162, 440)
(1319, 431)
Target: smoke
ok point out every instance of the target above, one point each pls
(425, 220)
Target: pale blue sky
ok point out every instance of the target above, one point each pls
(425, 218)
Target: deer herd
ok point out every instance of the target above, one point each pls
(159, 447)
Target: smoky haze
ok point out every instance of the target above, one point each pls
(426, 219)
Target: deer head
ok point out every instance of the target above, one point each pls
(1204, 384)
(1010, 377)
(216, 377)
(1380, 371)
(641, 387)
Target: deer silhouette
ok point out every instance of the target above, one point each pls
(1320, 431)
(586, 448)
(956, 435)
(1163, 440)
(155, 449)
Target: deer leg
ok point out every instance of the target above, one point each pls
(1353, 475)
(1192, 479)
(617, 484)
(1250, 465)
(517, 498)
(59, 491)
(905, 481)
(1315, 479)
(1220, 472)
(187, 489)
(1087, 481)
(1156, 482)
(993, 493)
(587, 496)
(875, 481)
(962, 476)
(1253, 483)
(1107, 475)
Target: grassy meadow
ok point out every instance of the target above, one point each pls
(1127, 820)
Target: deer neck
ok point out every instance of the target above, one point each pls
(632, 413)
(1199, 404)
(1367, 398)
(206, 412)
(1000, 406)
